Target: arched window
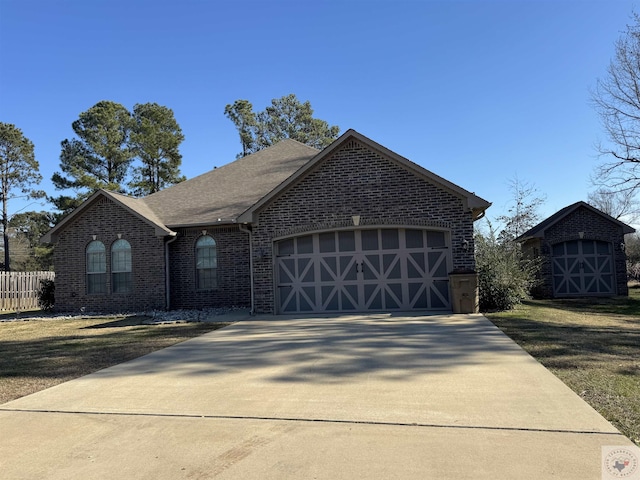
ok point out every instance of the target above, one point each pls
(206, 263)
(96, 267)
(121, 278)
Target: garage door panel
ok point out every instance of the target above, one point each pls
(391, 263)
(369, 239)
(305, 270)
(418, 295)
(348, 268)
(363, 270)
(436, 239)
(583, 267)
(371, 267)
(374, 302)
(416, 265)
(440, 294)
(414, 238)
(390, 239)
(438, 264)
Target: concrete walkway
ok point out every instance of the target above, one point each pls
(367, 397)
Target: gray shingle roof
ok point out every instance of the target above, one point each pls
(221, 195)
(234, 191)
(135, 205)
(538, 230)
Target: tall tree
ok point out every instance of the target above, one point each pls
(27, 229)
(621, 205)
(617, 102)
(19, 171)
(155, 140)
(242, 115)
(99, 158)
(505, 275)
(522, 214)
(286, 117)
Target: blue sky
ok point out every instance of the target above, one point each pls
(478, 92)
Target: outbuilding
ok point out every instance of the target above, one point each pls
(582, 251)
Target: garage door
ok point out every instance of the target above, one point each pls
(365, 270)
(583, 267)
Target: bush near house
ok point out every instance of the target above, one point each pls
(46, 295)
(505, 277)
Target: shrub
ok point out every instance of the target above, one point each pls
(46, 295)
(505, 277)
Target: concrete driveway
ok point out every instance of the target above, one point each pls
(378, 396)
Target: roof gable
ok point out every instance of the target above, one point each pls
(135, 206)
(473, 202)
(539, 230)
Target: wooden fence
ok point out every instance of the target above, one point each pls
(19, 290)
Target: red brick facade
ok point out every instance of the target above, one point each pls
(106, 220)
(233, 274)
(581, 224)
(355, 178)
(357, 181)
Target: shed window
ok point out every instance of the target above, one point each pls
(96, 268)
(206, 263)
(121, 277)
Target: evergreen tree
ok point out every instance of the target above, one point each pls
(286, 117)
(155, 140)
(19, 171)
(99, 158)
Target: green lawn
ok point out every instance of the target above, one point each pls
(592, 345)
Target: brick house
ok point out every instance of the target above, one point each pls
(352, 228)
(582, 252)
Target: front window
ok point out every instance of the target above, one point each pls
(206, 263)
(121, 277)
(96, 268)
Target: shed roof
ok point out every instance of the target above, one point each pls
(539, 230)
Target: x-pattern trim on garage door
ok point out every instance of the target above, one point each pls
(363, 270)
(583, 267)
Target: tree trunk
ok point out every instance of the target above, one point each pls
(5, 235)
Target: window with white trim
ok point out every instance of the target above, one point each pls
(121, 277)
(96, 268)
(206, 263)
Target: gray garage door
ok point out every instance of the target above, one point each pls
(393, 269)
(583, 267)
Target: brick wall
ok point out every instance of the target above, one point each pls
(234, 289)
(105, 219)
(593, 227)
(356, 181)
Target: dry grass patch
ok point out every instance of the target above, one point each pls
(41, 353)
(592, 345)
